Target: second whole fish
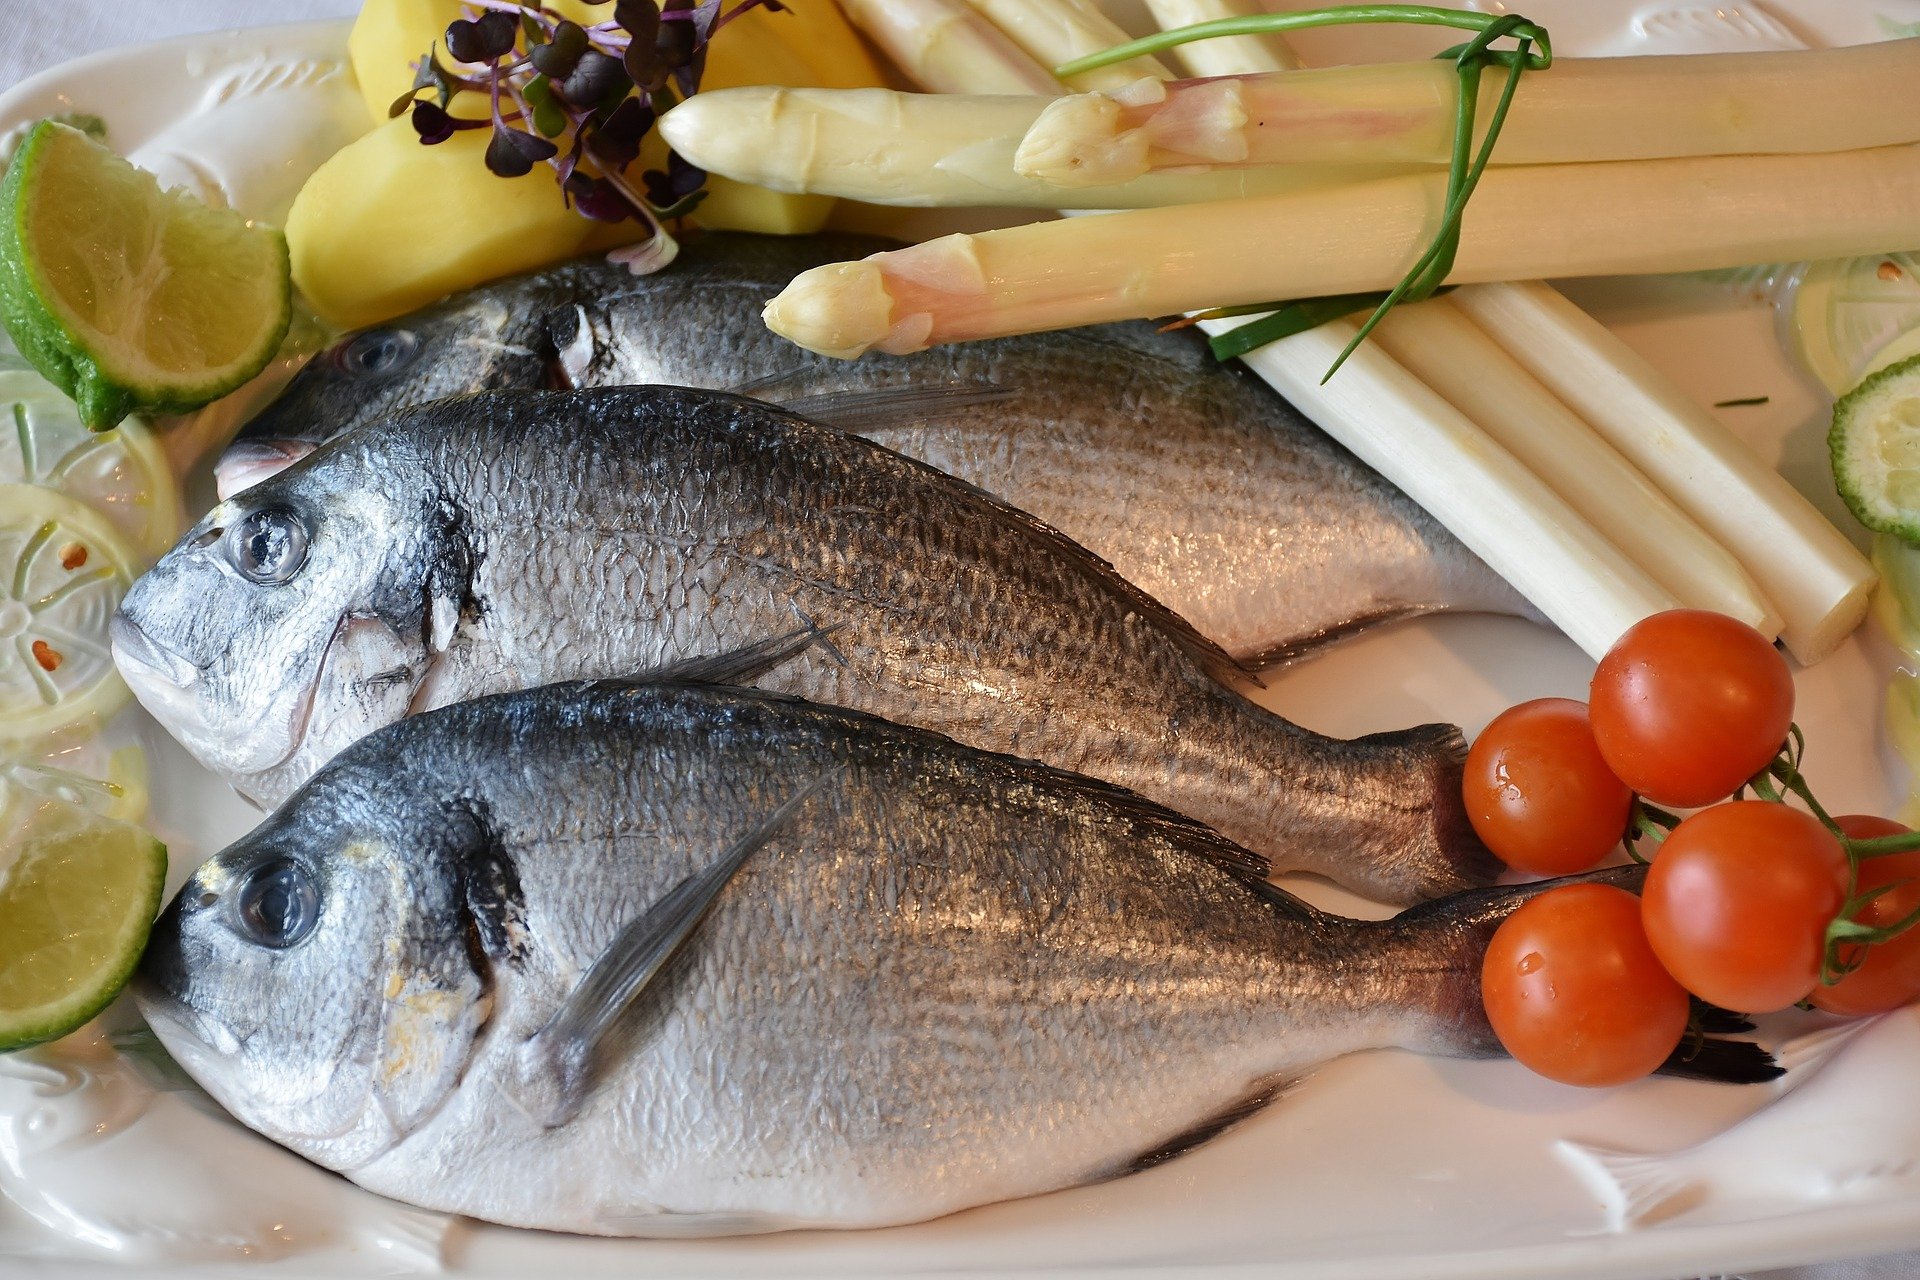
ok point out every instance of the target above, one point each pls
(509, 539)
(1199, 485)
(666, 959)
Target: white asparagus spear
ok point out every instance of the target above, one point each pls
(1441, 347)
(1579, 580)
(1057, 31)
(1576, 111)
(1816, 577)
(948, 48)
(1490, 500)
(923, 149)
(1229, 55)
(1631, 217)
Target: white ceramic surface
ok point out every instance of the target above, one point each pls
(1380, 1167)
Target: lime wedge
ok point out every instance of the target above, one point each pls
(122, 473)
(1875, 445)
(63, 571)
(78, 894)
(126, 296)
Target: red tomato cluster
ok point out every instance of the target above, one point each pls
(1586, 985)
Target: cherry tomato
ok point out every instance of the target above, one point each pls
(1538, 792)
(1738, 901)
(1890, 977)
(1689, 704)
(1574, 991)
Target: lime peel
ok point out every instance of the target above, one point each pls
(126, 296)
(78, 896)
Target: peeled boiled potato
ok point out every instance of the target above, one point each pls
(388, 225)
(390, 34)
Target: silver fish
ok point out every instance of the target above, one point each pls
(513, 538)
(664, 958)
(1198, 484)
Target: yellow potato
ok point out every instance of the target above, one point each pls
(388, 225)
(810, 44)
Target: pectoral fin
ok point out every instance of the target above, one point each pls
(560, 1064)
(876, 409)
(740, 666)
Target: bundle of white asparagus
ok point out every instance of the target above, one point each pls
(1549, 448)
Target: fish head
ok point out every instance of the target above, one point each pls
(315, 976)
(481, 339)
(295, 617)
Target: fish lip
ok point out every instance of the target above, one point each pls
(202, 1044)
(136, 652)
(250, 460)
(192, 1037)
(158, 675)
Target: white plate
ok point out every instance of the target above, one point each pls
(1381, 1166)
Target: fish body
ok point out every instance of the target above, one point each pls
(1200, 485)
(96, 1155)
(511, 539)
(939, 978)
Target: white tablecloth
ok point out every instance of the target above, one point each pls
(34, 36)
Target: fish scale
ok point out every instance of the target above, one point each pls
(948, 978)
(1196, 482)
(585, 518)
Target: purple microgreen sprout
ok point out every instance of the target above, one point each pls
(588, 96)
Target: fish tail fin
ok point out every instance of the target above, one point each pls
(1420, 844)
(1435, 952)
(1637, 1189)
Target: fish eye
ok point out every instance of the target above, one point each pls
(377, 352)
(278, 903)
(267, 546)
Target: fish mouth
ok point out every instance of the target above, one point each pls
(198, 1042)
(142, 659)
(168, 686)
(247, 462)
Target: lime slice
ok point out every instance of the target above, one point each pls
(1875, 444)
(126, 296)
(78, 894)
(1847, 309)
(120, 473)
(63, 570)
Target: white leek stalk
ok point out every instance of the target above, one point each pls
(921, 149)
(1228, 55)
(1452, 355)
(1490, 500)
(1057, 31)
(947, 47)
(1816, 577)
(1576, 111)
(1626, 218)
